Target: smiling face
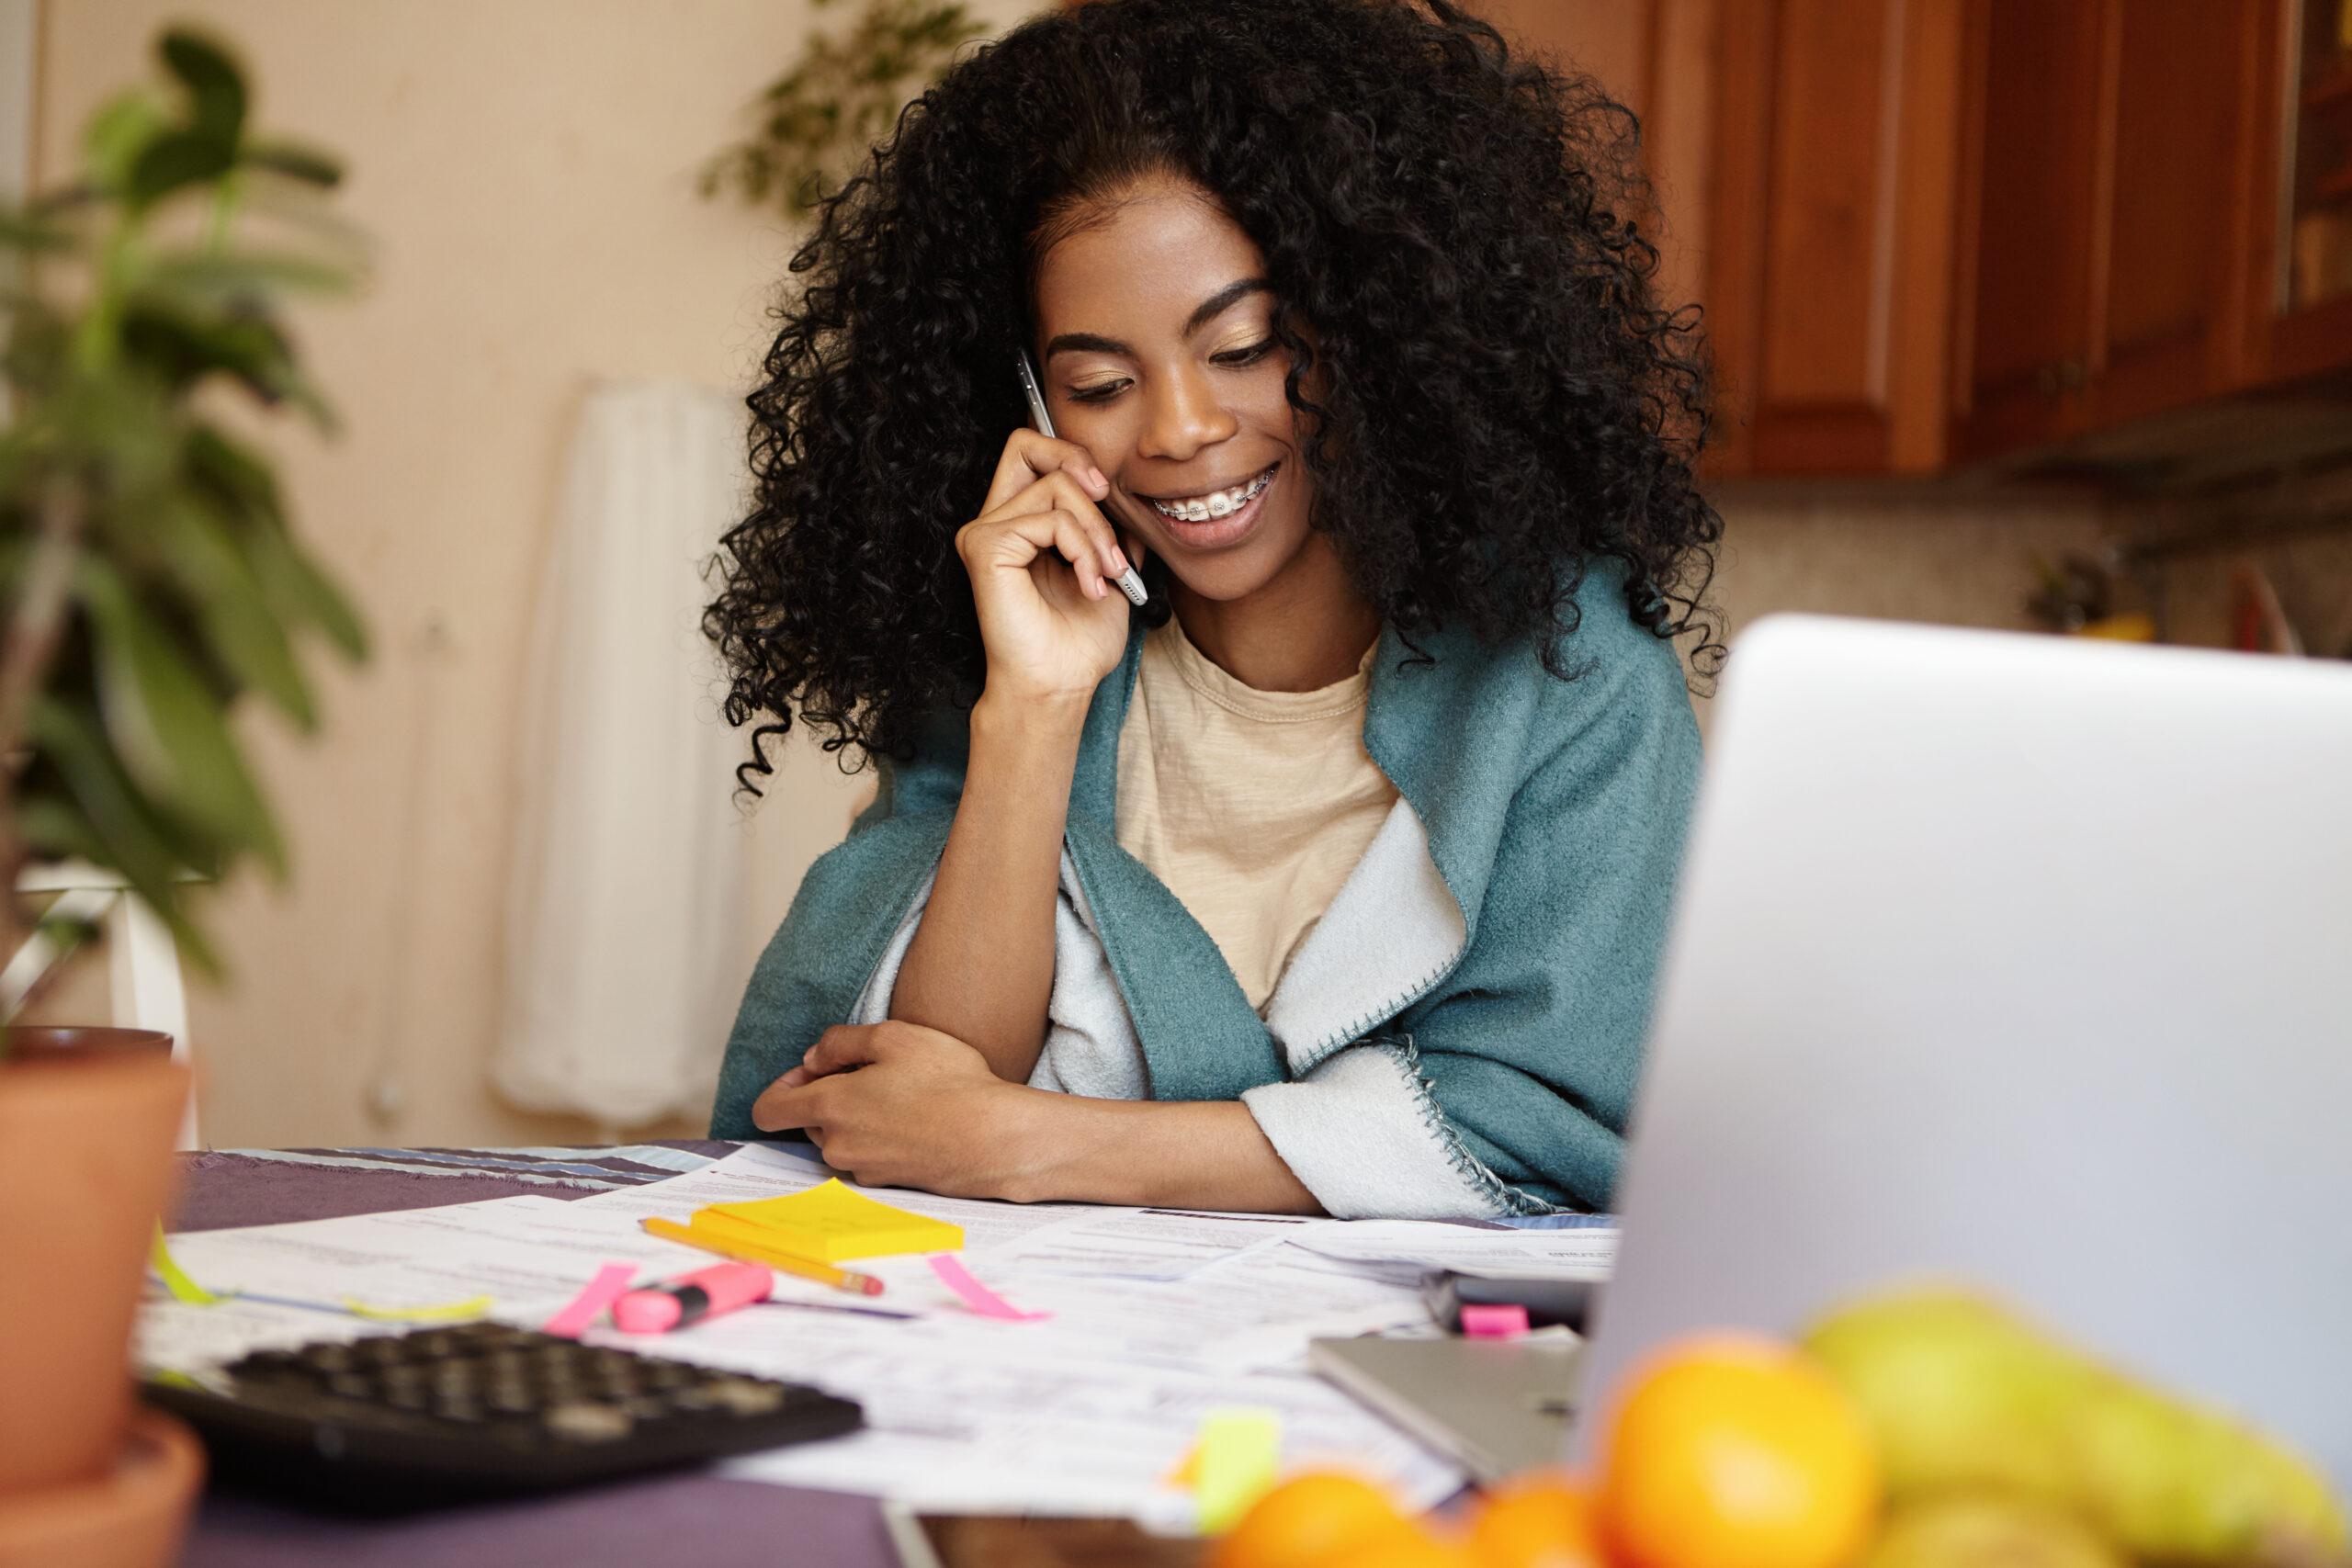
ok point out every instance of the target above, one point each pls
(1155, 344)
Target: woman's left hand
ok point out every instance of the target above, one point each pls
(899, 1105)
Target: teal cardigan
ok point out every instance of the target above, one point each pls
(1460, 1034)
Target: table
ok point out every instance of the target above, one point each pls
(663, 1519)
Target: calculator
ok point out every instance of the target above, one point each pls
(476, 1410)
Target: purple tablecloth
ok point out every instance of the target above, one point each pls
(676, 1519)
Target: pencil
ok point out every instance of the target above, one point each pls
(823, 1273)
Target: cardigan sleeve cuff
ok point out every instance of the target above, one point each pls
(1363, 1135)
(1091, 1047)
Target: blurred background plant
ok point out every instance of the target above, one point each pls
(149, 574)
(819, 119)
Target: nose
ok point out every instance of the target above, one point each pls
(1184, 416)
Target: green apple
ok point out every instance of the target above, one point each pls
(1986, 1529)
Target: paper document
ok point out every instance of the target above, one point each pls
(1155, 1243)
(1491, 1252)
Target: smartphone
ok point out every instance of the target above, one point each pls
(952, 1541)
(1130, 581)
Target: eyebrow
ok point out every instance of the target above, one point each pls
(1205, 313)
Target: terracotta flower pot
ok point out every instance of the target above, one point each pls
(130, 1516)
(86, 1123)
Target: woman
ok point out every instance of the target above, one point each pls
(1333, 879)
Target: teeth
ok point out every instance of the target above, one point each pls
(1222, 504)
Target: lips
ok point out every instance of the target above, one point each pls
(1221, 501)
(1216, 533)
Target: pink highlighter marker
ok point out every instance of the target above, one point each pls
(689, 1298)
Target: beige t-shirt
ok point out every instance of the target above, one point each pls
(1252, 807)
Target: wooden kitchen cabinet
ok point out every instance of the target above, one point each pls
(1948, 231)
(2298, 229)
(1829, 280)
(2105, 176)
(2029, 197)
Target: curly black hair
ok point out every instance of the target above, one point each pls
(1503, 398)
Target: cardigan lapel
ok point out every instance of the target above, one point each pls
(1394, 928)
(1201, 1039)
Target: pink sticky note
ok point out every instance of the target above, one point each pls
(1494, 1322)
(979, 1297)
(609, 1285)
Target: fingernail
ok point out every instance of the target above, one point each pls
(1100, 482)
(1119, 560)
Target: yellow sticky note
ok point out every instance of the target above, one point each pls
(828, 1223)
(1239, 1455)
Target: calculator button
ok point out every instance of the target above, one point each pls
(585, 1423)
(741, 1396)
(511, 1400)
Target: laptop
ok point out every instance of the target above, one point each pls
(2010, 959)
(2023, 961)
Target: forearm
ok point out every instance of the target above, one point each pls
(1155, 1154)
(981, 965)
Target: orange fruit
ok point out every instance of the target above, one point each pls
(1322, 1520)
(1412, 1547)
(1736, 1451)
(1540, 1519)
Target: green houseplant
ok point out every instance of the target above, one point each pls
(820, 118)
(149, 583)
(149, 575)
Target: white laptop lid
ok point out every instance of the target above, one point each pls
(2020, 959)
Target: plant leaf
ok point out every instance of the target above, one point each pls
(301, 593)
(214, 84)
(183, 346)
(168, 726)
(24, 231)
(101, 816)
(55, 827)
(118, 133)
(232, 472)
(293, 159)
(239, 628)
(214, 277)
(176, 158)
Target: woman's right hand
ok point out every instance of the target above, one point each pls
(1043, 561)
